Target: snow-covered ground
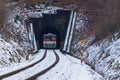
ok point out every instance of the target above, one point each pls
(68, 68)
(16, 66)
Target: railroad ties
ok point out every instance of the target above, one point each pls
(25, 69)
(45, 70)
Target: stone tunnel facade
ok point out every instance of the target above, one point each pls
(51, 23)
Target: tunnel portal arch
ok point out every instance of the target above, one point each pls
(54, 23)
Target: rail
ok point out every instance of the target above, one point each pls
(21, 69)
(34, 77)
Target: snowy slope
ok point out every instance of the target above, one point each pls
(14, 43)
(8, 52)
(105, 57)
(68, 68)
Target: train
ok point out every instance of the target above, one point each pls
(49, 40)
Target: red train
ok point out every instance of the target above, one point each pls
(49, 40)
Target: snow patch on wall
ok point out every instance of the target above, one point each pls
(38, 10)
(9, 53)
(105, 57)
(14, 44)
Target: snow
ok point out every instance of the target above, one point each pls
(8, 51)
(81, 19)
(68, 68)
(35, 69)
(71, 32)
(39, 10)
(68, 31)
(105, 57)
(32, 37)
(14, 42)
(16, 66)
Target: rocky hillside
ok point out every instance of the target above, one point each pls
(100, 29)
(104, 57)
(97, 22)
(13, 35)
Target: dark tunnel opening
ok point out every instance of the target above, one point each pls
(51, 23)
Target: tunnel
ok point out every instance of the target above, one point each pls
(51, 23)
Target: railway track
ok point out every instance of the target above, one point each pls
(33, 77)
(21, 69)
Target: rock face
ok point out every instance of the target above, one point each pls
(13, 38)
(105, 58)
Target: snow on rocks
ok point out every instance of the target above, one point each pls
(105, 58)
(8, 53)
(15, 44)
(38, 10)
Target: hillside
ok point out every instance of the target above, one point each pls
(97, 23)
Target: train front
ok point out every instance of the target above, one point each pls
(49, 41)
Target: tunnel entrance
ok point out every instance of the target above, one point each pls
(51, 23)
